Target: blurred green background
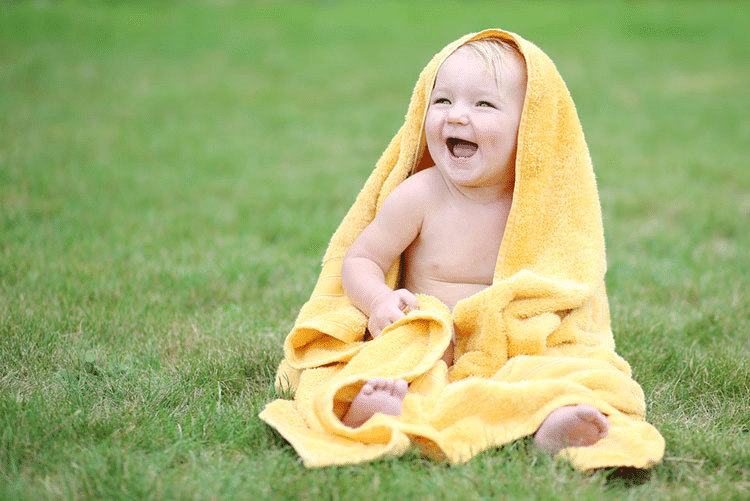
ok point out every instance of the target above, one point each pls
(171, 172)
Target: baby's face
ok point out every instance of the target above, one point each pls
(472, 120)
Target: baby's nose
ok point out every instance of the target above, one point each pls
(458, 114)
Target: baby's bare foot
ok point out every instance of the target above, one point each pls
(571, 426)
(377, 395)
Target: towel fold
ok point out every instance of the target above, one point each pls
(537, 339)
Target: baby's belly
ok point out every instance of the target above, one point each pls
(448, 292)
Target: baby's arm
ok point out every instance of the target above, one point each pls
(373, 253)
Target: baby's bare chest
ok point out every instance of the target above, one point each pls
(458, 249)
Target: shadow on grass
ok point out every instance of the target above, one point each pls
(626, 477)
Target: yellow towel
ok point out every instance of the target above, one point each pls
(537, 339)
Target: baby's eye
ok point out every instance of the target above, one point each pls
(442, 100)
(485, 104)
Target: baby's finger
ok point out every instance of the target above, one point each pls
(377, 326)
(394, 316)
(374, 328)
(407, 300)
(412, 302)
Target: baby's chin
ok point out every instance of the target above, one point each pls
(471, 176)
(461, 176)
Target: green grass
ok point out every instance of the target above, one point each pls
(171, 172)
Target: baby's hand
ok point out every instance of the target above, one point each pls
(389, 307)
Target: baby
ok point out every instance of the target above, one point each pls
(447, 222)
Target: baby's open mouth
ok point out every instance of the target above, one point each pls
(461, 148)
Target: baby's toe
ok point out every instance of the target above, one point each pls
(380, 384)
(595, 417)
(400, 387)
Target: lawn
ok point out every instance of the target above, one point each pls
(171, 172)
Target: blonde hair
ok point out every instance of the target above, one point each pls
(494, 51)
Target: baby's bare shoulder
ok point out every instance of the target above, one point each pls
(406, 204)
(425, 185)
